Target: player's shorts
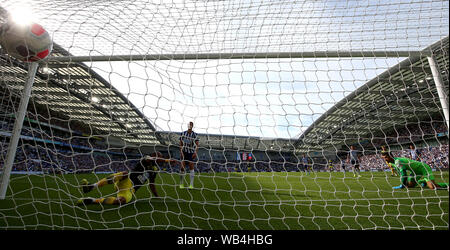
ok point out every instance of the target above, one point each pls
(188, 157)
(124, 188)
(426, 174)
(355, 163)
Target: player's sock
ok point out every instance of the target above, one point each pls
(100, 183)
(98, 201)
(192, 175)
(86, 187)
(181, 177)
(107, 200)
(85, 201)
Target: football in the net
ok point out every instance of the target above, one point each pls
(29, 43)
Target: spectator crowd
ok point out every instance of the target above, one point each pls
(61, 146)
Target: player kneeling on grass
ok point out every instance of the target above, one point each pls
(419, 172)
(126, 184)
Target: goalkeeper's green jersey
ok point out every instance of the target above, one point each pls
(417, 169)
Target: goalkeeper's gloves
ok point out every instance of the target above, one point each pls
(399, 187)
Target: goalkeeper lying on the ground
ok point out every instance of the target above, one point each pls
(419, 172)
(126, 184)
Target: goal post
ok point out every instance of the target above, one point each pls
(14, 140)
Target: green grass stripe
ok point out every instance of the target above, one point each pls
(331, 201)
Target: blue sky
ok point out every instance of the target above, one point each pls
(266, 98)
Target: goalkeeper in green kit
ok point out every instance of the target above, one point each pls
(419, 172)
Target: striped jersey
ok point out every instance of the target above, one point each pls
(305, 160)
(414, 154)
(189, 140)
(353, 155)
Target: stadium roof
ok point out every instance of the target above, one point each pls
(405, 93)
(78, 92)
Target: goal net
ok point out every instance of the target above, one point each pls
(293, 104)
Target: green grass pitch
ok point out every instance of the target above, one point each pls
(266, 201)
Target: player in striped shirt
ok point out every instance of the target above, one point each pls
(414, 153)
(352, 158)
(306, 164)
(188, 153)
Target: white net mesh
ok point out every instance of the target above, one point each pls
(93, 111)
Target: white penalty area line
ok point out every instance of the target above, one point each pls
(166, 200)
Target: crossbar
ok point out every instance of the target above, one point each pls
(218, 56)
